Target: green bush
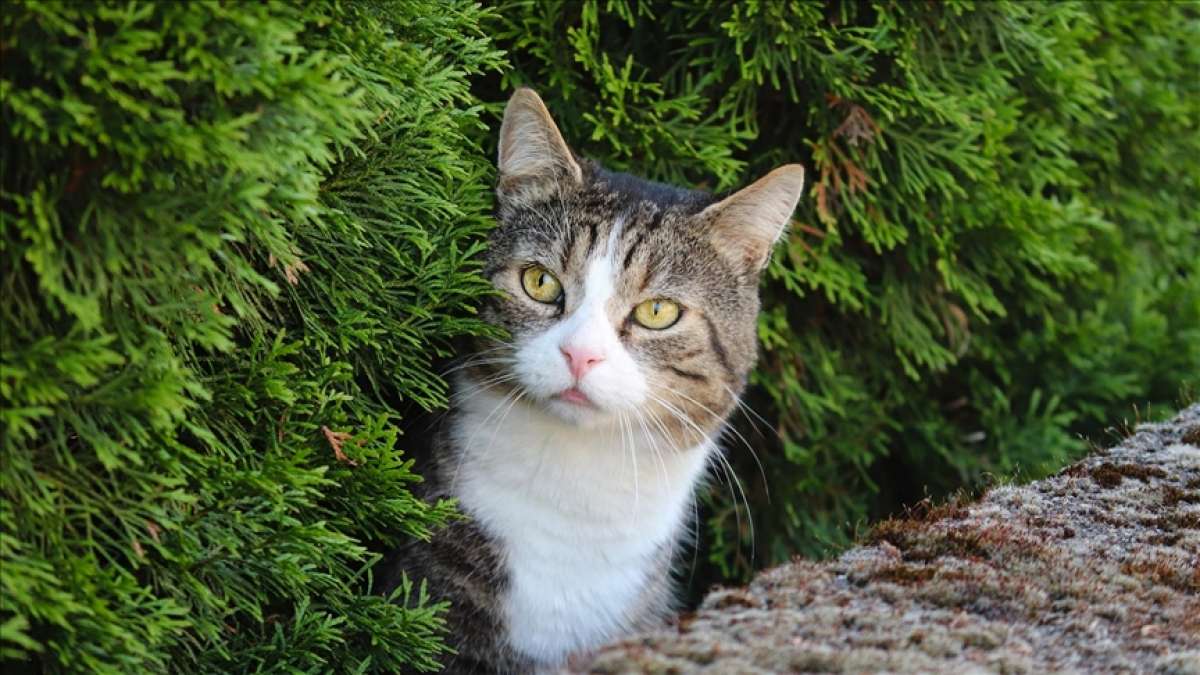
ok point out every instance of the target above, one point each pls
(997, 253)
(237, 237)
(234, 234)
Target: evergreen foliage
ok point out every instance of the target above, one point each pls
(997, 253)
(236, 238)
(233, 235)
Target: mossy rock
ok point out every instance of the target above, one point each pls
(1096, 568)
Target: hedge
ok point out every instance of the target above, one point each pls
(235, 235)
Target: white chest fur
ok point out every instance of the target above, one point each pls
(581, 514)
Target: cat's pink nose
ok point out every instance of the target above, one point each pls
(581, 359)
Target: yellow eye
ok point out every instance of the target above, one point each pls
(657, 314)
(541, 285)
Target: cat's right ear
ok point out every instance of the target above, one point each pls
(746, 224)
(534, 158)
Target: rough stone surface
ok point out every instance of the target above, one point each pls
(1094, 569)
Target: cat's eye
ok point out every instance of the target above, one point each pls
(657, 314)
(541, 285)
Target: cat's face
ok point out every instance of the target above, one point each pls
(623, 298)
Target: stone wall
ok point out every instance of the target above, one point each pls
(1096, 568)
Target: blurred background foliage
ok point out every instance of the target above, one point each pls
(237, 238)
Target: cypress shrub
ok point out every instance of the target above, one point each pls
(996, 256)
(235, 236)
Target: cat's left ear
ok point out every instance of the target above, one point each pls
(746, 224)
(533, 155)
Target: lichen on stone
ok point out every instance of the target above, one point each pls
(1094, 569)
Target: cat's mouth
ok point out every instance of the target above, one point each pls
(575, 396)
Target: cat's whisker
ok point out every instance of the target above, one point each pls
(481, 362)
(474, 434)
(737, 516)
(695, 525)
(504, 373)
(749, 514)
(695, 540)
(612, 429)
(662, 428)
(477, 359)
(626, 446)
(664, 435)
(498, 345)
(720, 419)
(485, 385)
(726, 466)
(725, 427)
(500, 424)
(662, 465)
(730, 478)
(680, 416)
(489, 362)
(747, 411)
(633, 453)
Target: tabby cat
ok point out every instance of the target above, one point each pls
(575, 448)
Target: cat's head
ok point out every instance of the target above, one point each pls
(623, 296)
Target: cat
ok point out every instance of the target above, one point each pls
(575, 448)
